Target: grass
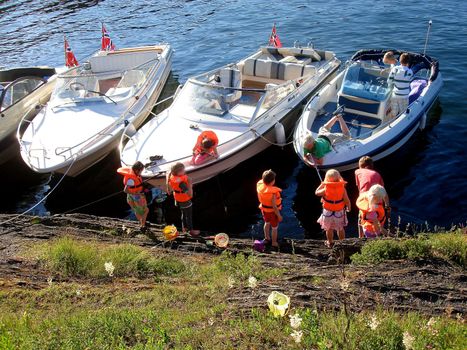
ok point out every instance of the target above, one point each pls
(191, 308)
(451, 247)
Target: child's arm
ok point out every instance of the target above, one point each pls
(167, 184)
(275, 208)
(190, 187)
(347, 200)
(320, 191)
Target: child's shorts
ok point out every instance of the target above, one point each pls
(333, 220)
(271, 218)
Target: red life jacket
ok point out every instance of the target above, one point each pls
(210, 135)
(174, 182)
(333, 199)
(128, 174)
(265, 194)
(364, 206)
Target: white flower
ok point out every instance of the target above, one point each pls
(211, 321)
(408, 341)
(252, 282)
(78, 292)
(297, 336)
(231, 282)
(50, 281)
(431, 326)
(374, 322)
(295, 321)
(109, 268)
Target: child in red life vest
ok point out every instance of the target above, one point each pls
(372, 213)
(335, 204)
(365, 177)
(135, 191)
(180, 185)
(205, 148)
(270, 203)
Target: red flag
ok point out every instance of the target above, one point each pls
(70, 59)
(274, 38)
(106, 42)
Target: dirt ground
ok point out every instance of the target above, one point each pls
(314, 275)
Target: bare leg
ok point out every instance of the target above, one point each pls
(330, 237)
(274, 236)
(267, 228)
(342, 123)
(328, 126)
(341, 234)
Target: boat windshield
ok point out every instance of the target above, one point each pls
(75, 86)
(203, 98)
(17, 90)
(366, 80)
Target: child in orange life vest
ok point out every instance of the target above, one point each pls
(335, 203)
(205, 148)
(372, 213)
(180, 185)
(135, 191)
(269, 197)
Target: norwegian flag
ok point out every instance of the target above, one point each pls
(70, 59)
(106, 42)
(274, 38)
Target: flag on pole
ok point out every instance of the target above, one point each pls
(106, 42)
(274, 38)
(70, 59)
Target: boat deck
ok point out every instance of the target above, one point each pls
(358, 125)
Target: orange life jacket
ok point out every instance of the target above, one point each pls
(210, 135)
(174, 182)
(265, 194)
(128, 174)
(364, 206)
(333, 198)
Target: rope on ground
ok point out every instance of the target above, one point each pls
(43, 198)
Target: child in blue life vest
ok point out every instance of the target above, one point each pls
(372, 212)
(335, 203)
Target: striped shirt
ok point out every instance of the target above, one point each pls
(400, 78)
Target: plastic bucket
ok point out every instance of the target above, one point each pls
(170, 232)
(221, 240)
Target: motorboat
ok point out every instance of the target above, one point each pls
(249, 105)
(90, 107)
(21, 90)
(361, 94)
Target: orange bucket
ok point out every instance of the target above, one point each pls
(170, 232)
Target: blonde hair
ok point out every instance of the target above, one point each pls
(332, 175)
(376, 195)
(176, 168)
(389, 56)
(308, 139)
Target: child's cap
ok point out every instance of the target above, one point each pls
(376, 194)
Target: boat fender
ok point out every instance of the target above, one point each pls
(422, 122)
(280, 133)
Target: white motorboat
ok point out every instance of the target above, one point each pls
(90, 107)
(21, 90)
(249, 105)
(361, 94)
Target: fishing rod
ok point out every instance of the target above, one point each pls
(430, 22)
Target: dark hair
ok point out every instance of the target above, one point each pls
(366, 162)
(269, 176)
(207, 143)
(217, 79)
(138, 166)
(176, 168)
(404, 58)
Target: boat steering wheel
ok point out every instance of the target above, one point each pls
(76, 86)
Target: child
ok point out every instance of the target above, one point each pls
(390, 59)
(135, 191)
(335, 201)
(399, 79)
(372, 214)
(180, 185)
(205, 148)
(365, 178)
(269, 197)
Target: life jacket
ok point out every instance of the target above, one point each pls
(333, 199)
(128, 174)
(210, 135)
(364, 206)
(175, 181)
(265, 194)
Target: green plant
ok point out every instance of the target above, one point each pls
(416, 248)
(377, 251)
(452, 247)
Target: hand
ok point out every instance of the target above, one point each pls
(279, 218)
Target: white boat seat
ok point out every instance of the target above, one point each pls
(230, 77)
(276, 70)
(131, 78)
(120, 61)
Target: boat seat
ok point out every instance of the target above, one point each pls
(131, 78)
(230, 77)
(276, 70)
(120, 61)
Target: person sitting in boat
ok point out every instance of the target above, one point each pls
(205, 148)
(316, 149)
(372, 214)
(399, 79)
(390, 59)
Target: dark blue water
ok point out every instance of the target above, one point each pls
(426, 179)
